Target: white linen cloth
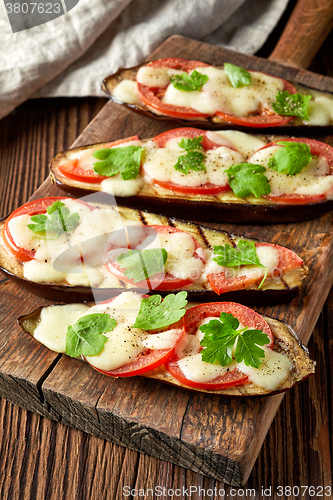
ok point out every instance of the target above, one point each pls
(71, 55)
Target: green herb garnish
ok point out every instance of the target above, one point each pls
(238, 77)
(292, 158)
(59, 222)
(194, 157)
(142, 264)
(194, 81)
(85, 336)
(125, 160)
(220, 338)
(245, 254)
(292, 104)
(247, 178)
(157, 314)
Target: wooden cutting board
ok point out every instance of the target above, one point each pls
(215, 436)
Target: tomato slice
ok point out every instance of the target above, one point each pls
(150, 95)
(193, 317)
(159, 281)
(317, 148)
(265, 119)
(204, 189)
(191, 133)
(32, 208)
(149, 359)
(288, 260)
(72, 170)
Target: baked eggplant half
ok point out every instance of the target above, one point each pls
(69, 250)
(220, 348)
(208, 96)
(206, 175)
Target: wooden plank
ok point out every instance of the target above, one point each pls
(215, 436)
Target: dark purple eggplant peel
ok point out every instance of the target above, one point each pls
(285, 342)
(273, 291)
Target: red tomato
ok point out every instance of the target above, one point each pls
(264, 119)
(288, 260)
(150, 95)
(32, 208)
(194, 316)
(72, 170)
(317, 148)
(158, 281)
(148, 360)
(204, 189)
(190, 133)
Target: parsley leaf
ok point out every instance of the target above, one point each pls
(246, 179)
(292, 104)
(220, 337)
(292, 158)
(238, 77)
(141, 264)
(194, 81)
(193, 159)
(154, 313)
(194, 144)
(60, 220)
(85, 336)
(125, 160)
(244, 254)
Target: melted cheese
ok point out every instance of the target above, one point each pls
(54, 321)
(127, 91)
(312, 180)
(244, 100)
(195, 99)
(273, 370)
(245, 144)
(117, 186)
(159, 164)
(320, 107)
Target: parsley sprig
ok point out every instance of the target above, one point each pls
(221, 337)
(247, 178)
(125, 160)
(238, 76)
(194, 157)
(60, 220)
(155, 313)
(85, 336)
(245, 254)
(142, 264)
(189, 83)
(292, 158)
(292, 104)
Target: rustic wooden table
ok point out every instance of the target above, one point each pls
(42, 459)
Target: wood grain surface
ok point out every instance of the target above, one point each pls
(43, 459)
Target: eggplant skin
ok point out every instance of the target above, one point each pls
(285, 341)
(272, 292)
(206, 209)
(113, 80)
